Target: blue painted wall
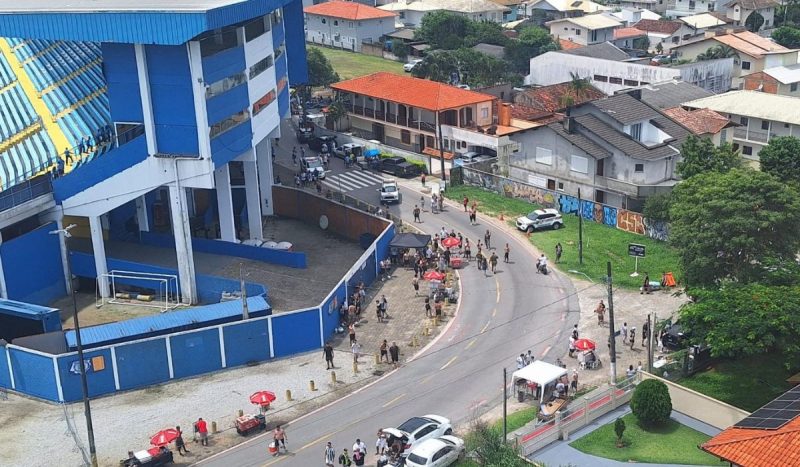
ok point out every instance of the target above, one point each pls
(119, 69)
(232, 143)
(382, 246)
(5, 376)
(330, 310)
(195, 353)
(223, 64)
(34, 374)
(226, 104)
(283, 103)
(173, 102)
(142, 363)
(279, 35)
(293, 23)
(99, 382)
(246, 342)
(32, 267)
(295, 332)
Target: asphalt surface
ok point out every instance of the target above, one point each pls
(461, 375)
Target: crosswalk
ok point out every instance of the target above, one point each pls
(352, 180)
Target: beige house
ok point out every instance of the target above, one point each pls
(585, 30)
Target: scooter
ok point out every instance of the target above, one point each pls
(542, 268)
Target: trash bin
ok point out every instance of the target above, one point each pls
(520, 396)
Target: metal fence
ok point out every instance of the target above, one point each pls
(25, 191)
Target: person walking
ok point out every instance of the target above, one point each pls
(645, 332)
(415, 283)
(465, 202)
(384, 348)
(575, 332)
(279, 437)
(573, 385)
(600, 310)
(352, 329)
(380, 443)
(394, 352)
(428, 307)
(202, 431)
(422, 179)
(360, 446)
(344, 458)
(493, 260)
(624, 332)
(328, 352)
(379, 310)
(506, 251)
(487, 239)
(416, 213)
(180, 445)
(521, 361)
(559, 250)
(355, 347)
(633, 337)
(330, 455)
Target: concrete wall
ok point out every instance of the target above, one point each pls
(32, 266)
(706, 409)
(350, 33)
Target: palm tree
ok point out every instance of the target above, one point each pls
(575, 90)
(336, 111)
(717, 51)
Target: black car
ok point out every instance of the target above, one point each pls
(674, 338)
(304, 134)
(398, 166)
(316, 142)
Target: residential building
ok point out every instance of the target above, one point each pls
(411, 113)
(410, 12)
(669, 94)
(346, 25)
(638, 4)
(548, 10)
(496, 51)
(784, 80)
(704, 123)
(753, 53)
(626, 38)
(618, 151)
(761, 116)
(611, 70)
(585, 30)
(515, 9)
(667, 33)
(740, 10)
(631, 16)
(556, 97)
(679, 8)
(702, 22)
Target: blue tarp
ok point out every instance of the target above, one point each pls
(370, 153)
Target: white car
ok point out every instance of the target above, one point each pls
(410, 65)
(389, 192)
(313, 164)
(415, 430)
(540, 219)
(436, 452)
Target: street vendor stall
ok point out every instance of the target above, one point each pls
(539, 379)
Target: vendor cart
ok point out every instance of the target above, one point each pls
(152, 457)
(247, 424)
(548, 410)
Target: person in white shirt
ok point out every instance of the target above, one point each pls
(360, 446)
(520, 361)
(541, 263)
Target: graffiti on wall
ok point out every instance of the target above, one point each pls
(630, 221)
(657, 230)
(529, 193)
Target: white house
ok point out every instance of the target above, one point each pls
(667, 33)
(557, 9)
(702, 22)
(679, 8)
(410, 12)
(346, 24)
(631, 16)
(585, 30)
(740, 10)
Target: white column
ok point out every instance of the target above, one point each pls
(62, 240)
(253, 196)
(99, 249)
(265, 177)
(141, 214)
(147, 106)
(183, 244)
(199, 95)
(227, 226)
(3, 289)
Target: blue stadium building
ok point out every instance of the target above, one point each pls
(121, 116)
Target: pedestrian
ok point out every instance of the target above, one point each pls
(80, 149)
(68, 156)
(428, 307)
(294, 155)
(180, 445)
(639, 367)
(384, 306)
(352, 329)
(202, 431)
(358, 458)
(633, 337)
(473, 215)
(379, 310)
(645, 283)
(645, 332)
(328, 352)
(330, 455)
(624, 332)
(521, 361)
(416, 214)
(573, 385)
(344, 458)
(465, 202)
(360, 446)
(380, 443)
(575, 332)
(506, 251)
(437, 308)
(600, 310)
(394, 352)
(384, 351)
(423, 179)
(279, 436)
(356, 349)
(529, 358)
(559, 250)
(493, 260)
(487, 238)
(630, 372)
(572, 346)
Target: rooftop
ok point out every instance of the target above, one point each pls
(626, 109)
(628, 145)
(658, 26)
(753, 4)
(568, 44)
(590, 22)
(551, 98)
(750, 43)
(569, 5)
(462, 6)
(702, 21)
(785, 74)
(580, 141)
(756, 104)
(347, 10)
(628, 33)
(605, 51)
(700, 121)
(671, 93)
(496, 51)
(416, 92)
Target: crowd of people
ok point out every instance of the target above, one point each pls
(388, 449)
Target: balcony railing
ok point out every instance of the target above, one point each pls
(751, 135)
(25, 191)
(393, 118)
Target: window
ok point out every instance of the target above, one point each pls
(600, 167)
(630, 82)
(219, 40)
(323, 20)
(675, 39)
(745, 65)
(230, 122)
(601, 78)
(260, 66)
(484, 112)
(544, 156)
(350, 25)
(747, 150)
(615, 80)
(256, 28)
(405, 137)
(225, 84)
(743, 121)
(560, 186)
(599, 196)
(636, 131)
(577, 32)
(793, 87)
(262, 103)
(594, 35)
(579, 164)
(692, 4)
(335, 22)
(638, 168)
(765, 125)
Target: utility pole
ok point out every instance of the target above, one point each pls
(580, 231)
(87, 409)
(245, 310)
(441, 147)
(650, 341)
(505, 404)
(611, 332)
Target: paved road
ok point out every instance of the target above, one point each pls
(460, 376)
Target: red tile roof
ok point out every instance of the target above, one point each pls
(758, 448)
(658, 26)
(433, 152)
(700, 121)
(551, 98)
(347, 10)
(627, 33)
(416, 92)
(567, 45)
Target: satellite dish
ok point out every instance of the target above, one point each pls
(323, 222)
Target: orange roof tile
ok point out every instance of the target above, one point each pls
(416, 92)
(551, 98)
(627, 33)
(433, 152)
(700, 121)
(347, 10)
(567, 45)
(758, 448)
(750, 43)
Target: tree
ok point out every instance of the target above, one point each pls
(699, 155)
(651, 404)
(619, 429)
(656, 207)
(531, 42)
(576, 89)
(781, 158)
(659, 48)
(400, 49)
(746, 319)
(490, 448)
(320, 71)
(725, 225)
(336, 111)
(787, 36)
(486, 32)
(717, 51)
(754, 22)
(443, 30)
(469, 66)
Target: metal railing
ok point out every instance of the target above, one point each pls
(25, 191)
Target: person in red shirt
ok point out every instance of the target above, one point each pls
(202, 430)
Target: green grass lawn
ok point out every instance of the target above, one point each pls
(516, 420)
(352, 65)
(671, 444)
(747, 383)
(600, 243)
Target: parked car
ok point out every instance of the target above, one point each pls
(410, 65)
(540, 219)
(304, 134)
(436, 452)
(660, 59)
(312, 164)
(348, 148)
(316, 142)
(398, 166)
(417, 429)
(389, 192)
(470, 157)
(675, 338)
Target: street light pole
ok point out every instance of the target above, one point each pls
(580, 229)
(441, 146)
(505, 404)
(611, 332)
(87, 409)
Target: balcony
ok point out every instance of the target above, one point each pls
(389, 117)
(751, 135)
(632, 189)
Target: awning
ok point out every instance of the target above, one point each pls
(410, 240)
(539, 372)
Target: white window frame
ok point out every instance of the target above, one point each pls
(544, 156)
(579, 164)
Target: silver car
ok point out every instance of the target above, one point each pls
(540, 219)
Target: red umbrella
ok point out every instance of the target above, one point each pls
(585, 344)
(164, 437)
(433, 276)
(262, 398)
(450, 242)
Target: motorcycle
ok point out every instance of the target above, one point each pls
(542, 268)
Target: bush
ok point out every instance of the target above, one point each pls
(651, 403)
(656, 207)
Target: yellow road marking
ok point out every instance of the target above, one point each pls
(427, 378)
(448, 363)
(494, 312)
(394, 400)
(484, 328)
(471, 343)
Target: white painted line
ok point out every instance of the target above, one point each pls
(497, 288)
(342, 184)
(485, 327)
(114, 367)
(169, 358)
(58, 379)
(448, 363)
(222, 357)
(471, 343)
(545, 351)
(356, 180)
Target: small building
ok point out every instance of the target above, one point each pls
(667, 33)
(585, 30)
(631, 16)
(784, 80)
(346, 25)
(626, 37)
(548, 10)
(740, 10)
(515, 9)
(410, 12)
(704, 123)
(639, 4)
(496, 51)
(702, 22)
(556, 97)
